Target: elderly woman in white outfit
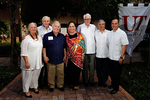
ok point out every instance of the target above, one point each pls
(31, 60)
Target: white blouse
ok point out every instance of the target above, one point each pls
(33, 50)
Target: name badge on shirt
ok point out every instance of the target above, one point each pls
(50, 38)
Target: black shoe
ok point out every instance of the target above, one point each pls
(30, 96)
(92, 84)
(36, 92)
(61, 89)
(110, 87)
(71, 86)
(51, 89)
(104, 85)
(113, 91)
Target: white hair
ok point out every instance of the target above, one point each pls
(45, 17)
(101, 20)
(29, 28)
(87, 14)
(55, 22)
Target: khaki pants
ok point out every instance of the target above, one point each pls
(59, 70)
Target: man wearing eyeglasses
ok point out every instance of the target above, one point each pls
(87, 30)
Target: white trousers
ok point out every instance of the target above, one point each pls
(30, 79)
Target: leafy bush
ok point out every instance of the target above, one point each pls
(5, 50)
(4, 30)
(7, 74)
(135, 79)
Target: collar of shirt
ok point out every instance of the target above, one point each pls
(49, 28)
(116, 30)
(103, 32)
(54, 34)
(85, 25)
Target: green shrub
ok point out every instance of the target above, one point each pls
(135, 79)
(4, 30)
(7, 74)
(5, 49)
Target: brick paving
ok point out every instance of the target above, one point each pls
(13, 91)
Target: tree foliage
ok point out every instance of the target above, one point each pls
(4, 29)
(34, 10)
(103, 9)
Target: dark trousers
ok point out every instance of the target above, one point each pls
(88, 68)
(102, 69)
(115, 74)
(43, 76)
(74, 73)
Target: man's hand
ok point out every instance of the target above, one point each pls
(82, 58)
(46, 59)
(64, 59)
(120, 61)
(27, 65)
(23, 37)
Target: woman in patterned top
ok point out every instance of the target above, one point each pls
(75, 54)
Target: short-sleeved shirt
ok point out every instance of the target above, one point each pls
(88, 34)
(54, 47)
(116, 40)
(101, 44)
(42, 31)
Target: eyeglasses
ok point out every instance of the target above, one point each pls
(87, 19)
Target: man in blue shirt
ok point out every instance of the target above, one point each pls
(54, 53)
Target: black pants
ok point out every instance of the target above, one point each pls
(115, 73)
(43, 76)
(102, 69)
(74, 73)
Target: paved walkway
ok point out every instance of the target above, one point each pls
(13, 91)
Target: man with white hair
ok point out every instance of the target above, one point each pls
(54, 54)
(87, 30)
(43, 29)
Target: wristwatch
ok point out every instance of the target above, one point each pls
(121, 57)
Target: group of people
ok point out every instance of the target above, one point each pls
(46, 46)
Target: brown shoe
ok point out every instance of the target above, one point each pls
(76, 88)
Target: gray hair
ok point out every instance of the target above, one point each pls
(87, 14)
(101, 20)
(28, 32)
(45, 17)
(56, 22)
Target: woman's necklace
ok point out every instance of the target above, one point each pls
(33, 38)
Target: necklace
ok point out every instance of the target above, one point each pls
(33, 38)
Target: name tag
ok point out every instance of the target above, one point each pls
(50, 38)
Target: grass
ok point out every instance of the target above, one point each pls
(7, 74)
(135, 80)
